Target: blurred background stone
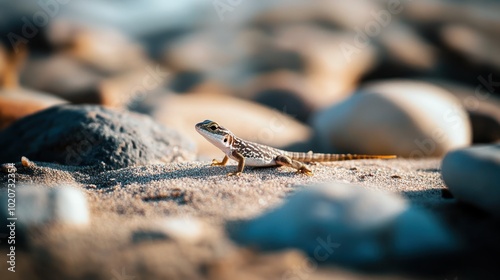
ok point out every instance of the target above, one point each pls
(64, 76)
(246, 119)
(405, 118)
(482, 106)
(18, 103)
(38, 206)
(473, 176)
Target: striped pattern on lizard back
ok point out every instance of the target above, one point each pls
(261, 155)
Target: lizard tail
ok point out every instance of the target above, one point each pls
(318, 157)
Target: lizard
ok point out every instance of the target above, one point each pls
(259, 155)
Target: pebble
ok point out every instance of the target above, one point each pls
(348, 224)
(106, 50)
(481, 104)
(332, 71)
(473, 176)
(282, 90)
(76, 83)
(406, 118)
(186, 229)
(17, 103)
(471, 43)
(86, 135)
(405, 47)
(181, 229)
(37, 206)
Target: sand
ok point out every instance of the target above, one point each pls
(129, 205)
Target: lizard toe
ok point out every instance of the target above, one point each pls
(305, 171)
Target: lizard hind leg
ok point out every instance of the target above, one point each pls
(286, 161)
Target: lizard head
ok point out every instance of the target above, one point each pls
(214, 133)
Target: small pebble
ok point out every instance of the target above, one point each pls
(37, 206)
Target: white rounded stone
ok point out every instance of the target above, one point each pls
(473, 176)
(69, 206)
(406, 118)
(36, 206)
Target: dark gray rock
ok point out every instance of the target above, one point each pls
(473, 176)
(88, 135)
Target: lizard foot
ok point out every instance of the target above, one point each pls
(306, 171)
(234, 174)
(217, 163)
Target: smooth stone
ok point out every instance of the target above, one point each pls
(350, 225)
(184, 229)
(18, 103)
(406, 118)
(404, 46)
(122, 91)
(469, 42)
(481, 104)
(282, 90)
(37, 206)
(64, 76)
(181, 229)
(346, 15)
(107, 50)
(89, 135)
(331, 72)
(473, 176)
(245, 119)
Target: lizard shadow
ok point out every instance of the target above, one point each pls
(123, 176)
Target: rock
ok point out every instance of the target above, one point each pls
(246, 119)
(473, 176)
(88, 135)
(405, 47)
(184, 229)
(64, 76)
(18, 103)
(472, 44)
(332, 69)
(341, 14)
(350, 225)
(282, 90)
(405, 118)
(37, 206)
(429, 13)
(482, 106)
(104, 49)
(123, 90)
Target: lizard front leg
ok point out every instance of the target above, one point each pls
(241, 163)
(286, 161)
(220, 163)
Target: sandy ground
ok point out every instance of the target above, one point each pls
(128, 205)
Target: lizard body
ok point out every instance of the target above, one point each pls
(258, 155)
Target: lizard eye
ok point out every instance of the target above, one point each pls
(213, 127)
(225, 140)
